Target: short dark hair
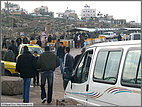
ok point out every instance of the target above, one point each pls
(25, 49)
(61, 43)
(67, 49)
(47, 48)
(12, 41)
(58, 39)
(35, 52)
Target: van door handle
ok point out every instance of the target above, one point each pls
(87, 87)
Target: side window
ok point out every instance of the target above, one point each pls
(132, 69)
(83, 67)
(107, 64)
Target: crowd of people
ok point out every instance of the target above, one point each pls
(29, 66)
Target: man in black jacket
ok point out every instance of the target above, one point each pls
(47, 62)
(25, 40)
(26, 66)
(61, 54)
(68, 69)
(14, 48)
(18, 41)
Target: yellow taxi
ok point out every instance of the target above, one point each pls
(10, 67)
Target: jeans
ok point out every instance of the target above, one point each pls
(36, 78)
(49, 76)
(26, 89)
(61, 64)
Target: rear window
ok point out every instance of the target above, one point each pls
(32, 49)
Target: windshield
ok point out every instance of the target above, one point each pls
(32, 49)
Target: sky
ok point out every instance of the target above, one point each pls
(129, 10)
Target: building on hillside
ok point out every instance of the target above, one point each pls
(15, 9)
(43, 11)
(87, 13)
(68, 14)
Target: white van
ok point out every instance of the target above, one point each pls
(108, 74)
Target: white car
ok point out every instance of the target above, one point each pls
(108, 35)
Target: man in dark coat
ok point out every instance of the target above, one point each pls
(9, 55)
(36, 78)
(4, 42)
(49, 38)
(18, 41)
(61, 54)
(39, 42)
(26, 66)
(77, 58)
(14, 48)
(68, 69)
(25, 40)
(47, 62)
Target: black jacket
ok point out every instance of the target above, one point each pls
(25, 41)
(68, 69)
(61, 52)
(48, 61)
(69, 61)
(14, 49)
(26, 65)
(19, 41)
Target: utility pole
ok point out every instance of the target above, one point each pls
(9, 18)
(12, 26)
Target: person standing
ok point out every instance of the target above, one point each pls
(47, 62)
(75, 40)
(14, 48)
(36, 77)
(57, 44)
(78, 40)
(26, 66)
(49, 38)
(9, 55)
(68, 69)
(18, 41)
(39, 42)
(61, 54)
(25, 40)
(4, 42)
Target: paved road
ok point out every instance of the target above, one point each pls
(58, 92)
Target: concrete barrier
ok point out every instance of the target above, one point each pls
(11, 85)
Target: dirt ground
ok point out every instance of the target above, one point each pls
(35, 98)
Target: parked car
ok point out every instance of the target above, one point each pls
(108, 35)
(10, 67)
(108, 74)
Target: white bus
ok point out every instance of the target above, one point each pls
(108, 74)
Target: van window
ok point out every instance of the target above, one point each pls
(83, 67)
(132, 70)
(107, 64)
